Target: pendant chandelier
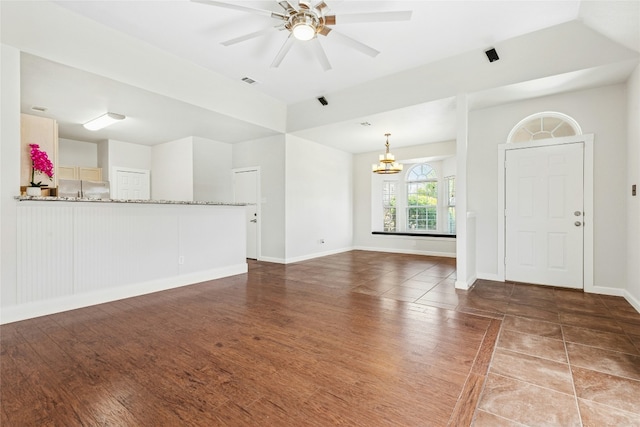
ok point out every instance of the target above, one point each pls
(387, 163)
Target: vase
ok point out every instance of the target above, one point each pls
(34, 191)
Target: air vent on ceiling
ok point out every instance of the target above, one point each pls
(248, 80)
(39, 109)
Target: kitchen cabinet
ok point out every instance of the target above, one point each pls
(89, 174)
(80, 172)
(44, 132)
(67, 172)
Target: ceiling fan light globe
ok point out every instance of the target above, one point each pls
(303, 31)
(303, 25)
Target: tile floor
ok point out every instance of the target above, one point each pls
(563, 357)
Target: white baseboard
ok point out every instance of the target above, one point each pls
(305, 257)
(357, 248)
(71, 302)
(603, 290)
(632, 300)
(465, 285)
(317, 255)
(271, 259)
(490, 276)
(406, 251)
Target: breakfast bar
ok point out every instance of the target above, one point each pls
(77, 252)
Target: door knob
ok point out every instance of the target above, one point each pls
(577, 213)
(254, 220)
(577, 223)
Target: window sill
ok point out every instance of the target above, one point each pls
(414, 234)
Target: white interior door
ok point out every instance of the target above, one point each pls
(246, 190)
(544, 201)
(131, 184)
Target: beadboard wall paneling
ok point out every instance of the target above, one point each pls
(116, 245)
(74, 254)
(45, 252)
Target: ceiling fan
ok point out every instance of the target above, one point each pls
(307, 21)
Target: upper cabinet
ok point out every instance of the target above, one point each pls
(80, 172)
(44, 132)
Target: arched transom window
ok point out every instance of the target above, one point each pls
(544, 125)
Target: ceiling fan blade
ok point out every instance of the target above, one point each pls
(320, 6)
(242, 8)
(283, 51)
(355, 18)
(249, 36)
(288, 7)
(320, 54)
(359, 46)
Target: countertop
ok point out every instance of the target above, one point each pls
(145, 202)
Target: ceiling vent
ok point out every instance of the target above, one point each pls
(248, 80)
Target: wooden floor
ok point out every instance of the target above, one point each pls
(360, 338)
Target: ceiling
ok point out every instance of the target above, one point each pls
(74, 97)
(194, 32)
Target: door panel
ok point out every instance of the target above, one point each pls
(246, 191)
(544, 207)
(132, 185)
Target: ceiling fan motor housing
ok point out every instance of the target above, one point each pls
(304, 24)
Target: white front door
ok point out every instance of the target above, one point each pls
(131, 184)
(246, 190)
(544, 201)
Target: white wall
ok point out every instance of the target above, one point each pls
(172, 170)
(362, 237)
(10, 167)
(318, 199)
(269, 154)
(77, 153)
(449, 166)
(601, 111)
(212, 176)
(633, 177)
(122, 154)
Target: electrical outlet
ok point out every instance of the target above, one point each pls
(180, 260)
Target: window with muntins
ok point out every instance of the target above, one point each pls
(450, 182)
(389, 205)
(422, 198)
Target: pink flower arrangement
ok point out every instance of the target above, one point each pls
(39, 163)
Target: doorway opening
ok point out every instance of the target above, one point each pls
(246, 189)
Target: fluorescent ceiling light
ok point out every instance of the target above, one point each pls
(103, 121)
